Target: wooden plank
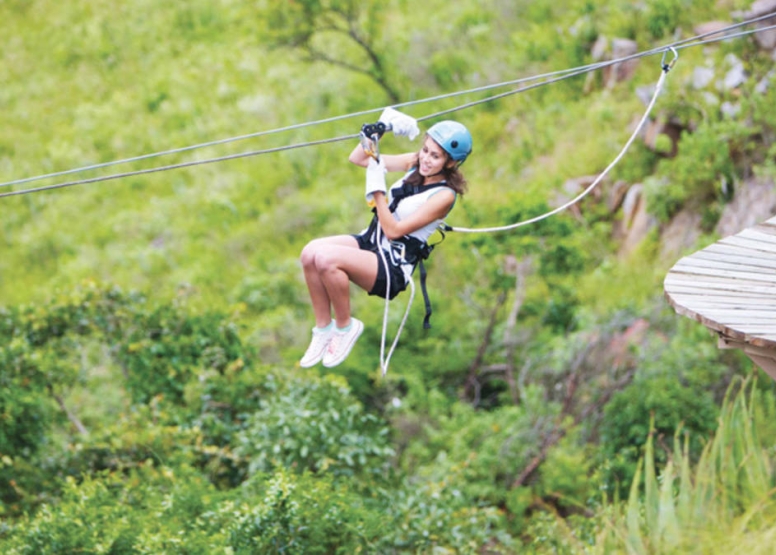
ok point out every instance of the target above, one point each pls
(767, 341)
(739, 312)
(706, 280)
(742, 331)
(712, 301)
(720, 285)
(707, 307)
(684, 311)
(769, 277)
(726, 262)
(765, 227)
(690, 289)
(745, 318)
(746, 242)
(753, 329)
(740, 272)
(736, 250)
(757, 235)
(735, 334)
(724, 251)
(731, 261)
(721, 296)
(704, 275)
(747, 335)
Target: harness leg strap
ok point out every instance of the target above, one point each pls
(427, 319)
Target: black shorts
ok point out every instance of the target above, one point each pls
(398, 281)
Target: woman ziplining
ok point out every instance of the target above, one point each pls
(328, 275)
(337, 330)
(382, 258)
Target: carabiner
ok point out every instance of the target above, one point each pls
(667, 66)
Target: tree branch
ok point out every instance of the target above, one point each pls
(472, 383)
(560, 431)
(521, 270)
(70, 415)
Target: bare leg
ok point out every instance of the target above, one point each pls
(319, 297)
(330, 264)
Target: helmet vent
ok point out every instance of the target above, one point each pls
(454, 144)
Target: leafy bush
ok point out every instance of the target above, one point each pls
(166, 347)
(41, 354)
(486, 449)
(664, 16)
(664, 197)
(436, 516)
(298, 514)
(26, 409)
(673, 406)
(306, 513)
(565, 476)
(313, 425)
(152, 510)
(708, 161)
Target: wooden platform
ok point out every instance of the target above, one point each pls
(730, 287)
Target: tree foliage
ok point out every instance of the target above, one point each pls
(341, 33)
(176, 420)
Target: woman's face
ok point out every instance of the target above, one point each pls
(431, 158)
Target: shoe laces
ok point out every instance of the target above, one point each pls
(334, 343)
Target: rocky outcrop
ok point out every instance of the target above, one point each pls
(752, 203)
(766, 39)
(605, 49)
(680, 235)
(715, 85)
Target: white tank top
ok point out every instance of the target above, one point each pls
(406, 208)
(410, 205)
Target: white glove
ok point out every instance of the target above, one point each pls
(401, 124)
(375, 178)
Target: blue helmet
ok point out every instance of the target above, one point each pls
(454, 139)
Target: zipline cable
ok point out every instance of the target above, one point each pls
(588, 67)
(565, 74)
(582, 69)
(549, 78)
(173, 166)
(291, 127)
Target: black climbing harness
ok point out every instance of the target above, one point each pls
(408, 250)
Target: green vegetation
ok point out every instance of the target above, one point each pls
(151, 400)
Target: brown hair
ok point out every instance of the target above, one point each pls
(452, 176)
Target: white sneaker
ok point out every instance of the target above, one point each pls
(342, 343)
(318, 345)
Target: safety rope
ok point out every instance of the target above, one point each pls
(666, 67)
(544, 79)
(384, 361)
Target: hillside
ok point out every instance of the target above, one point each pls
(152, 323)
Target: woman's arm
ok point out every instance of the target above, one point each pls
(393, 162)
(435, 208)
